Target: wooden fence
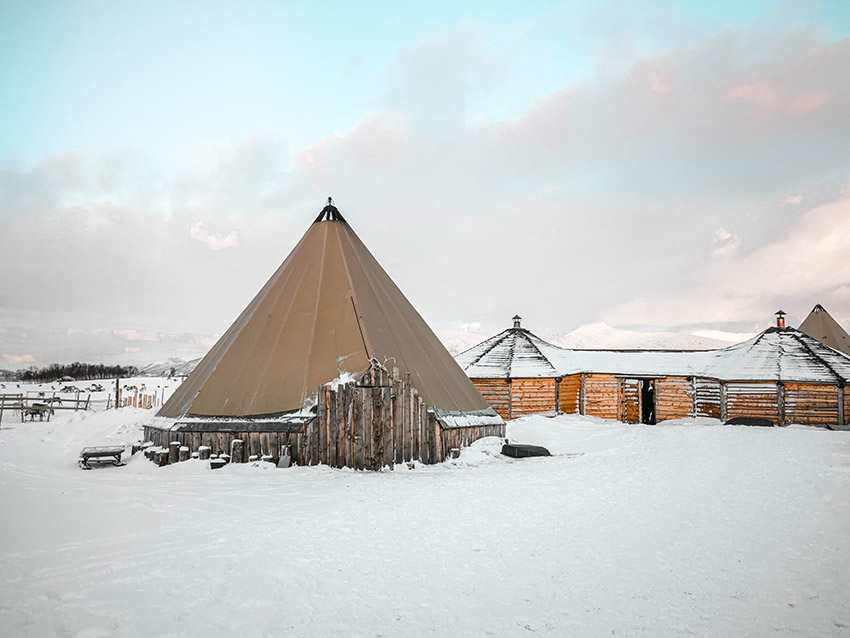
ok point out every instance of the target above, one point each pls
(378, 421)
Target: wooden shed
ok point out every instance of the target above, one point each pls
(331, 360)
(781, 374)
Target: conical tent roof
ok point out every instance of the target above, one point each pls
(820, 325)
(327, 310)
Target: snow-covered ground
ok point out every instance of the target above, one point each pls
(687, 528)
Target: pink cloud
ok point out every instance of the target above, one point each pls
(20, 358)
(808, 102)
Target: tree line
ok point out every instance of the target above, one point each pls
(76, 370)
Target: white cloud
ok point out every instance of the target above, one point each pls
(214, 241)
(725, 243)
(791, 200)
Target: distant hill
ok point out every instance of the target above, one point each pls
(457, 341)
(170, 367)
(600, 335)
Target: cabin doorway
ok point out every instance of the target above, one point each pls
(647, 401)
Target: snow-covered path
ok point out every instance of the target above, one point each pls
(682, 529)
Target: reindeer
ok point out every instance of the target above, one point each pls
(36, 409)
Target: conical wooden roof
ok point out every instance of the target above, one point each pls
(820, 325)
(328, 309)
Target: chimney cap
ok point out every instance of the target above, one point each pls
(517, 320)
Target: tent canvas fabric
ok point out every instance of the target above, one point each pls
(327, 310)
(821, 326)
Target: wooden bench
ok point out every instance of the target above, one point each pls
(103, 454)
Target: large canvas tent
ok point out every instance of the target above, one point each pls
(329, 312)
(820, 325)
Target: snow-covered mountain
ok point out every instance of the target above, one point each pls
(457, 341)
(602, 336)
(173, 366)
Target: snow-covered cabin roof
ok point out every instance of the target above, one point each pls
(514, 353)
(777, 354)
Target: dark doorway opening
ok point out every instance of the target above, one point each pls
(647, 402)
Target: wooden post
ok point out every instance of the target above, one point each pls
(582, 397)
(237, 451)
(184, 453)
(780, 403)
(173, 451)
(557, 395)
(841, 415)
(723, 410)
(357, 438)
(162, 458)
(204, 452)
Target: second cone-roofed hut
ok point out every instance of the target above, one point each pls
(782, 375)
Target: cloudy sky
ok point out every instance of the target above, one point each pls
(653, 165)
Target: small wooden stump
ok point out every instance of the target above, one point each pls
(162, 458)
(454, 452)
(224, 457)
(253, 458)
(184, 453)
(237, 451)
(173, 451)
(217, 463)
(204, 452)
(195, 455)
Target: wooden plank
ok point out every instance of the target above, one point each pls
(357, 443)
(332, 436)
(388, 457)
(377, 428)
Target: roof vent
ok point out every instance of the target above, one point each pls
(780, 319)
(330, 213)
(517, 319)
(818, 308)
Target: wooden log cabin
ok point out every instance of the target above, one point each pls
(329, 315)
(782, 375)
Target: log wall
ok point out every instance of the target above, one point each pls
(600, 396)
(706, 397)
(529, 396)
(569, 394)
(845, 402)
(377, 422)
(674, 398)
(811, 403)
(497, 392)
(752, 399)
(629, 400)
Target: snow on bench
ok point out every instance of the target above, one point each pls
(103, 454)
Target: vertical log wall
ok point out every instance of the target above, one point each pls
(629, 395)
(376, 422)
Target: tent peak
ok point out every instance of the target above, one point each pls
(330, 213)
